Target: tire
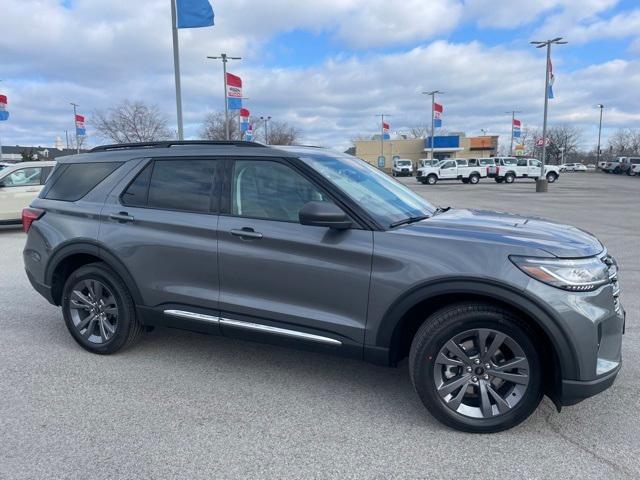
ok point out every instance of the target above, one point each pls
(509, 178)
(97, 281)
(429, 374)
(499, 180)
(474, 178)
(393, 174)
(432, 179)
(464, 180)
(551, 177)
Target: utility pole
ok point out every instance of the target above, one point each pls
(433, 103)
(176, 68)
(266, 128)
(225, 58)
(601, 107)
(513, 117)
(541, 182)
(75, 125)
(382, 115)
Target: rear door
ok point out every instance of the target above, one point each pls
(17, 189)
(163, 227)
(278, 273)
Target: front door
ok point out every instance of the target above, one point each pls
(534, 167)
(279, 273)
(449, 170)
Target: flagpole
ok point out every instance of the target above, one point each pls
(75, 124)
(225, 58)
(176, 69)
(513, 118)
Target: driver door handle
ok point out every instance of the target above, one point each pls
(246, 233)
(122, 217)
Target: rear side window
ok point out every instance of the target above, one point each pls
(183, 185)
(74, 180)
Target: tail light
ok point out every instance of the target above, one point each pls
(29, 215)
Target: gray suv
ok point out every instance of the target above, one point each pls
(305, 247)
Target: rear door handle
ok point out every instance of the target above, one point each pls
(246, 233)
(122, 217)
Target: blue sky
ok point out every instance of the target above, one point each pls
(325, 66)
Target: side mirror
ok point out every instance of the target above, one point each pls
(324, 214)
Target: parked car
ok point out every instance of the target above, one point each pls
(627, 163)
(20, 183)
(614, 166)
(573, 167)
(402, 167)
(3, 165)
(308, 247)
(602, 164)
(452, 169)
(635, 169)
(507, 169)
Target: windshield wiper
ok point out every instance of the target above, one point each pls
(406, 221)
(441, 210)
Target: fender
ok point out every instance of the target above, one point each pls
(518, 299)
(91, 247)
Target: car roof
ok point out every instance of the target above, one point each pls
(125, 152)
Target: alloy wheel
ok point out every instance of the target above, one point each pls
(481, 373)
(94, 311)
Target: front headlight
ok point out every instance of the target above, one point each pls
(578, 275)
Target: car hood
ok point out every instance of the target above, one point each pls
(554, 238)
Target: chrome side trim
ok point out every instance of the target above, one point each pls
(278, 331)
(192, 316)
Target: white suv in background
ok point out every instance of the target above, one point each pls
(402, 167)
(20, 183)
(573, 167)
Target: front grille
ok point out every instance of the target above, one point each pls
(613, 279)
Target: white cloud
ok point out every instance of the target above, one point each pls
(103, 51)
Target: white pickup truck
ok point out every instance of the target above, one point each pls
(507, 169)
(451, 169)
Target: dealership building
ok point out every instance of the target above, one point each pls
(455, 145)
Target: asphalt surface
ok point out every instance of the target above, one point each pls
(189, 406)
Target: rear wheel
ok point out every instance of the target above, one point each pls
(499, 180)
(464, 180)
(509, 178)
(474, 178)
(432, 179)
(98, 310)
(475, 368)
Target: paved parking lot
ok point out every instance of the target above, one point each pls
(182, 405)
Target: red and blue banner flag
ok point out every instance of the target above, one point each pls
(437, 115)
(4, 113)
(517, 124)
(385, 131)
(81, 131)
(194, 13)
(234, 92)
(244, 120)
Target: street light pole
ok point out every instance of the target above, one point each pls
(76, 126)
(513, 117)
(266, 128)
(225, 58)
(433, 102)
(541, 182)
(601, 107)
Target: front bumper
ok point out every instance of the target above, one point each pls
(574, 391)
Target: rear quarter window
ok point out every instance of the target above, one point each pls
(72, 181)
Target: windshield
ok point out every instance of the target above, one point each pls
(385, 199)
(404, 163)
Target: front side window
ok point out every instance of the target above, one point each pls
(270, 190)
(449, 165)
(509, 161)
(384, 199)
(486, 161)
(534, 163)
(522, 163)
(23, 177)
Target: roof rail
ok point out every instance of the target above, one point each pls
(172, 143)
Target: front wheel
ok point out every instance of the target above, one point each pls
(551, 177)
(475, 368)
(98, 310)
(474, 179)
(509, 178)
(432, 179)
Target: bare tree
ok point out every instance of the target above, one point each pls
(213, 127)
(562, 138)
(625, 141)
(419, 132)
(131, 122)
(279, 133)
(82, 141)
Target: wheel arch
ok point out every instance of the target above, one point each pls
(72, 255)
(410, 310)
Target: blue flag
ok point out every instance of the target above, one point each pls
(194, 13)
